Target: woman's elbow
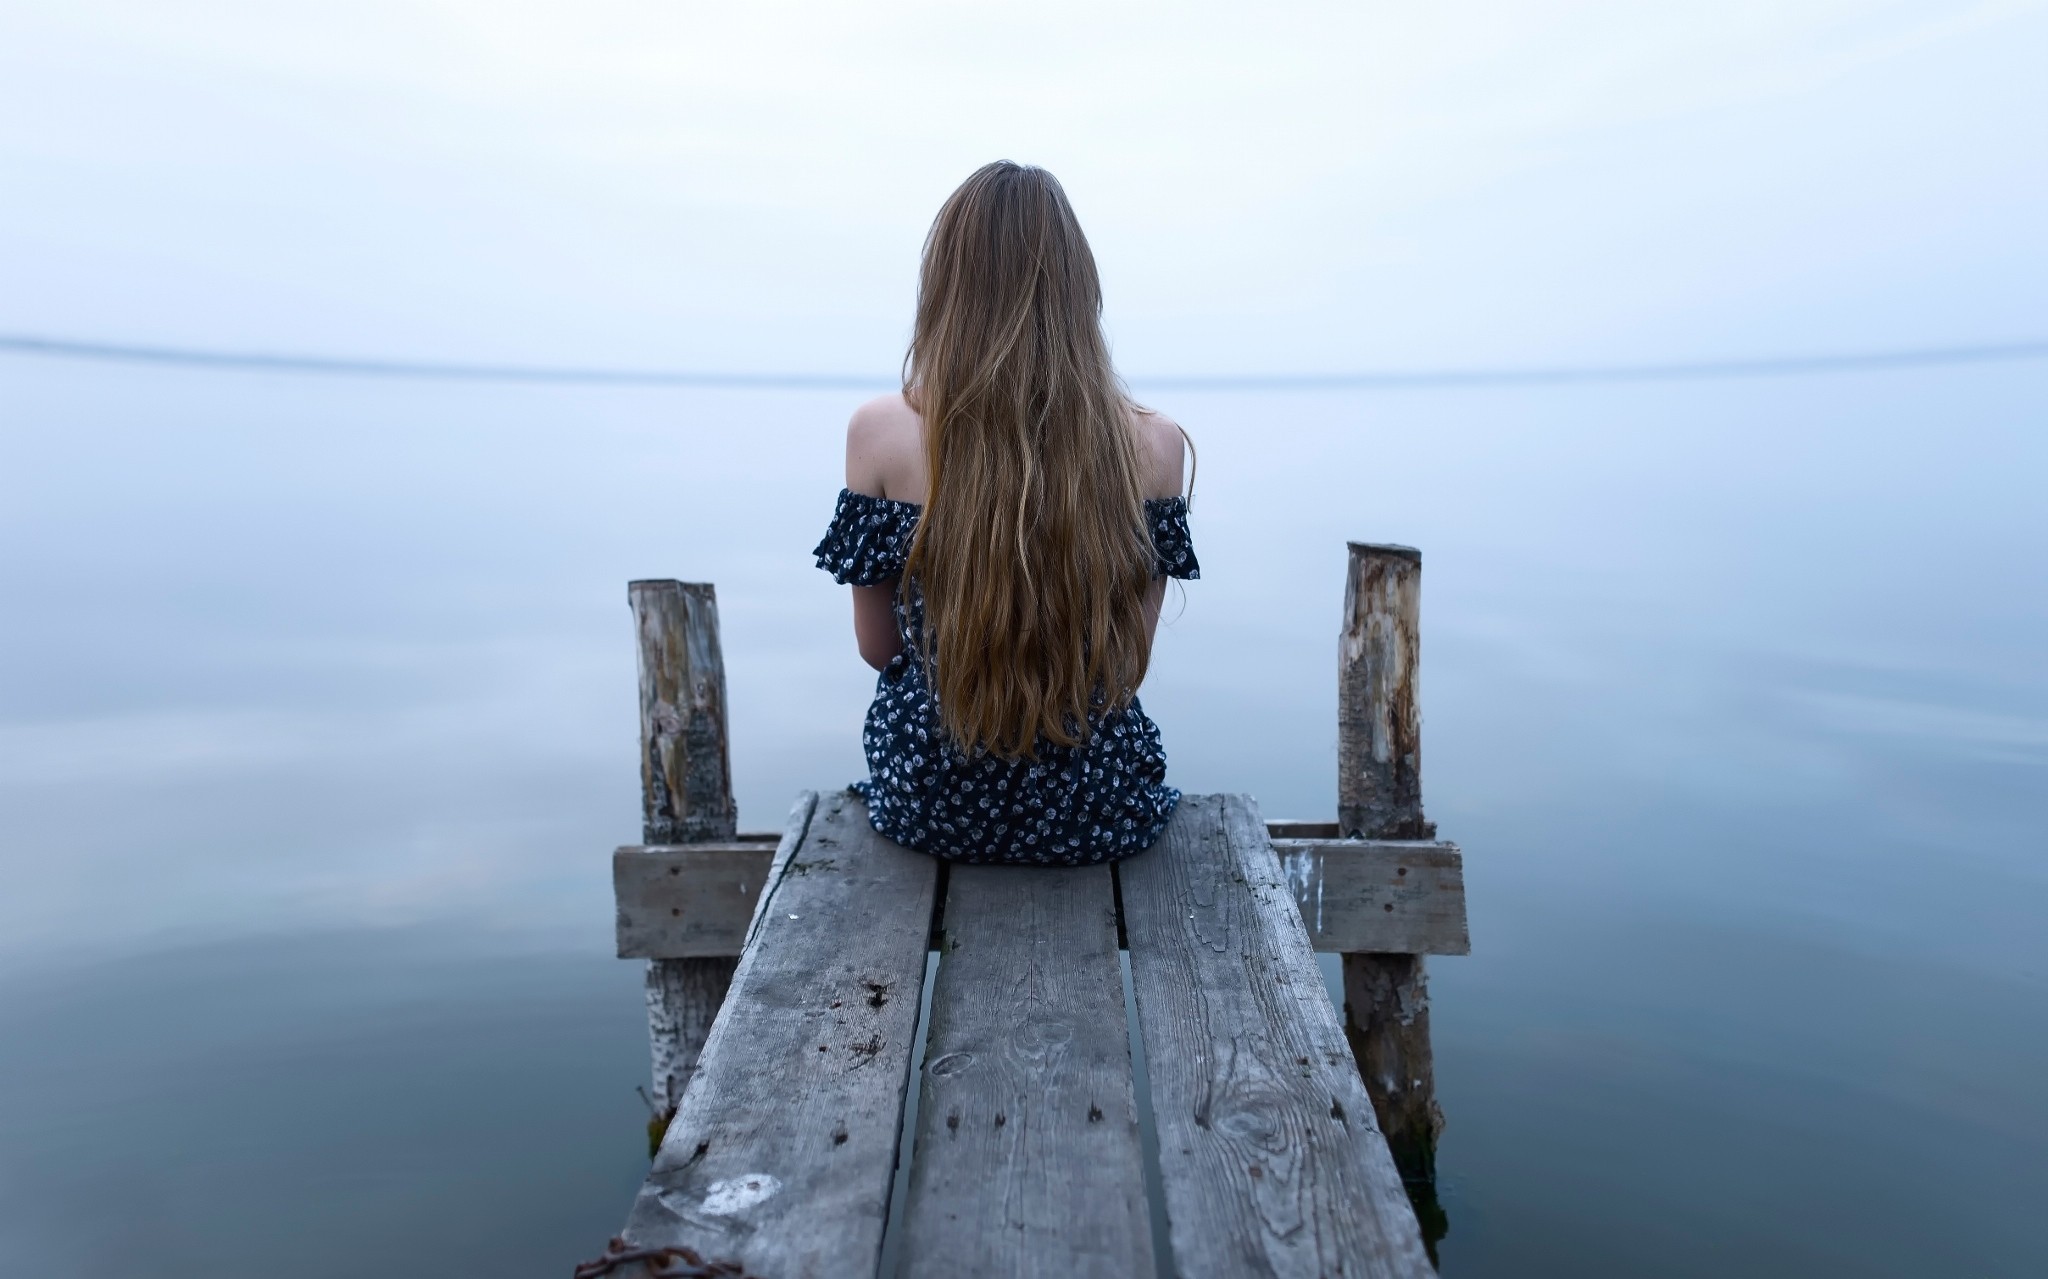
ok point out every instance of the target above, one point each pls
(874, 625)
(878, 653)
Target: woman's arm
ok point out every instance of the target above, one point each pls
(1162, 455)
(881, 444)
(1155, 599)
(874, 624)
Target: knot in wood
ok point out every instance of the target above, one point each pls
(1255, 1122)
(1038, 1039)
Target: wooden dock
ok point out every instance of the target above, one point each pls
(786, 973)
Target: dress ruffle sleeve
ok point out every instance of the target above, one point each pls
(868, 540)
(1171, 541)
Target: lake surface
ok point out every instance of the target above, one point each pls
(317, 728)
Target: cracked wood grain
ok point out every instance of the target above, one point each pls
(1027, 1160)
(783, 1150)
(1269, 1156)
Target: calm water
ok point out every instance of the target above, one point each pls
(317, 723)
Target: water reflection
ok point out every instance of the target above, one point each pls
(317, 725)
(393, 1102)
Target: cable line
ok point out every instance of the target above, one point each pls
(1672, 371)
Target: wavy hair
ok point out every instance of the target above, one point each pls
(1032, 553)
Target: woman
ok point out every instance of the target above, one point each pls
(1008, 525)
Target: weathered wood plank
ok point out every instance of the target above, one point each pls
(678, 901)
(684, 994)
(685, 900)
(1400, 896)
(1027, 1160)
(782, 1153)
(1270, 1160)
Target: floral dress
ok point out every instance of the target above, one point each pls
(1104, 799)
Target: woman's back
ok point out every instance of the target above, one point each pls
(1008, 524)
(885, 451)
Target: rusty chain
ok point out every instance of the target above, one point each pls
(660, 1263)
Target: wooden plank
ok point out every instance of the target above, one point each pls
(678, 901)
(684, 994)
(783, 1151)
(1393, 896)
(1027, 1158)
(1270, 1159)
(1399, 896)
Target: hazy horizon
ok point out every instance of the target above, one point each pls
(1303, 189)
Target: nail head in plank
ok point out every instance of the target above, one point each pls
(1269, 1157)
(783, 1151)
(1027, 1160)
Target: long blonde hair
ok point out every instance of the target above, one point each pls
(1032, 553)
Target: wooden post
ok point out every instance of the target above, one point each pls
(1379, 796)
(686, 793)
(1379, 709)
(685, 768)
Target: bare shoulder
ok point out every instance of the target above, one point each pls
(1162, 453)
(885, 449)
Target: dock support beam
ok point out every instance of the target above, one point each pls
(686, 796)
(1379, 796)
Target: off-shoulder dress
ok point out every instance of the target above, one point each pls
(1102, 800)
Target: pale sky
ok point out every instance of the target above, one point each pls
(1271, 187)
